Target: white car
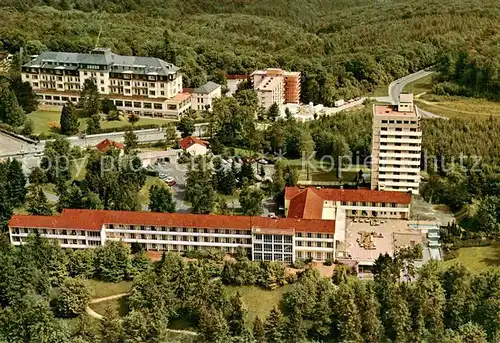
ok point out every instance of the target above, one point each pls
(262, 161)
(170, 181)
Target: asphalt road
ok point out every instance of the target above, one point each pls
(396, 88)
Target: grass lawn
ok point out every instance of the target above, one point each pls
(258, 301)
(41, 120)
(460, 106)
(419, 86)
(380, 90)
(119, 305)
(105, 289)
(450, 106)
(324, 171)
(478, 259)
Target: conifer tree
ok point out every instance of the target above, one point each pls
(213, 326)
(237, 316)
(37, 203)
(16, 183)
(259, 333)
(274, 327)
(69, 121)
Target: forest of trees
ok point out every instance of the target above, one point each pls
(470, 73)
(343, 48)
(42, 284)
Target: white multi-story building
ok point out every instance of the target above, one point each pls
(144, 86)
(396, 146)
(265, 239)
(203, 96)
(276, 86)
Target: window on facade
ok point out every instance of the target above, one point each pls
(128, 103)
(158, 106)
(137, 104)
(172, 107)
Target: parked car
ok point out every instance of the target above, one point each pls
(170, 181)
(272, 215)
(262, 161)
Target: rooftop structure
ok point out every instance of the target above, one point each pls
(145, 86)
(367, 239)
(264, 238)
(396, 146)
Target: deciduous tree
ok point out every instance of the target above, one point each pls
(160, 199)
(73, 298)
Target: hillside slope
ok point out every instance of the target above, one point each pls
(344, 48)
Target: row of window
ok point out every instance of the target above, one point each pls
(65, 241)
(272, 257)
(21, 230)
(272, 247)
(399, 121)
(280, 239)
(206, 239)
(316, 255)
(177, 229)
(314, 244)
(398, 129)
(356, 213)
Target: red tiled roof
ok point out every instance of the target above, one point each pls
(107, 143)
(307, 205)
(91, 220)
(190, 141)
(95, 219)
(361, 195)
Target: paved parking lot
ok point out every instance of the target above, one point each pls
(179, 172)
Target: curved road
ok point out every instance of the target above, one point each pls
(396, 88)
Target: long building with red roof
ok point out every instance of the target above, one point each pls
(325, 203)
(268, 239)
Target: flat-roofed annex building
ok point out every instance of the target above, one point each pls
(144, 86)
(267, 239)
(396, 146)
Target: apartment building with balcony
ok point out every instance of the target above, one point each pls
(396, 146)
(265, 239)
(144, 86)
(276, 86)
